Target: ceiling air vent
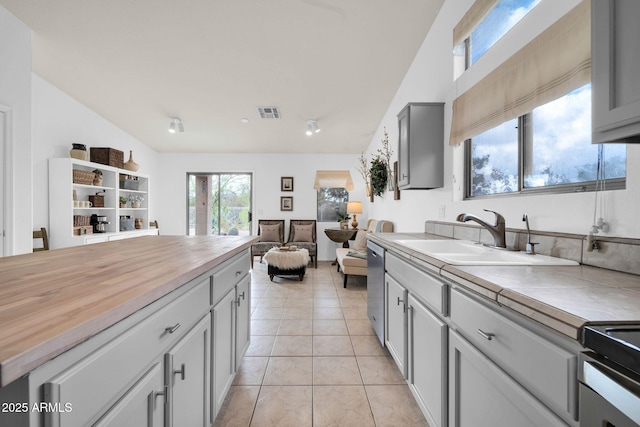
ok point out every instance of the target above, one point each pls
(269, 112)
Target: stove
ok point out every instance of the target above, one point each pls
(609, 376)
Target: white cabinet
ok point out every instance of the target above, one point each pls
(66, 217)
(187, 376)
(614, 70)
(427, 361)
(421, 146)
(482, 395)
(396, 322)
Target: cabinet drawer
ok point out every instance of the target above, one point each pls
(431, 290)
(227, 277)
(117, 364)
(542, 367)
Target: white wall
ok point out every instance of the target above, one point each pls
(267, 169)
(59, 121)
(430, 79)
(15, 98)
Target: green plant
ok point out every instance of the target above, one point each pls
(378, 173)
(123, 199)
(343, 217)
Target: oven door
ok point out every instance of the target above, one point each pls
(609, 396)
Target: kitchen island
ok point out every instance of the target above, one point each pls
(116, 313)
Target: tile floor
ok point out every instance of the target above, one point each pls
(314, 359)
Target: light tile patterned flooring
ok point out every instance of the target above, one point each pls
(314, 359)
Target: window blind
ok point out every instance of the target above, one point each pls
(474, 15)
(333, 179)
(550, 66)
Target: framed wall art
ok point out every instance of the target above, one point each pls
(286, 203)
(286, 183)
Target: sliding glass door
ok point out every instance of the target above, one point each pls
(219, 203)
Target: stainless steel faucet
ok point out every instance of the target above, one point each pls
(531, 249)
(497, 231)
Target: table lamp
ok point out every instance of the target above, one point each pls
(354, 208)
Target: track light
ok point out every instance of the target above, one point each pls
(176, 124)
(312, 127)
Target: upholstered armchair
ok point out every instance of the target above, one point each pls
(302, 233)
(271, 232)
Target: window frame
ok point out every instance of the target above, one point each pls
(524, 138)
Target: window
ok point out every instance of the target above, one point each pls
(504, 16)
(550, 148)
(332, 202)
(219, 203)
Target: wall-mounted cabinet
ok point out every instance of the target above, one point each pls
(75, 194)
(421, 146)
(614, 71)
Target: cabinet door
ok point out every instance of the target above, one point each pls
(427, 359)
(223, 347)
(243, 318)
(480, 394)
(615, 64)
(143, 405)
(187, 377)
(403, 148)
(396, 320)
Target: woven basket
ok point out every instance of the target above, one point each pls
(83, 177)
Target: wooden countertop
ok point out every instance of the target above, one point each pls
(562, 298)
(53, 300)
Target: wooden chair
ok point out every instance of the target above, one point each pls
(41, 234)
(262, 247)
(302, 239)
(154, 224)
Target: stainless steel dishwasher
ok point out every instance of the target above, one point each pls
(375, 288)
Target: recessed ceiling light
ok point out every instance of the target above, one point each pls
(244, 120)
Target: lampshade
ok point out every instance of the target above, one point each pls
(354, 207)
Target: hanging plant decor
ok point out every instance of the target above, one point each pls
(378, 174)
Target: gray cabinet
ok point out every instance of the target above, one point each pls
(143, 405)
(427, 361)
(614, 68)
(231, 330)
(187, 378)
(396, 322)
(223, 348)
(526, 374)
(421, 146)
(482, 395)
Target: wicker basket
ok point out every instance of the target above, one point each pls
(83, 177)
(107, 156)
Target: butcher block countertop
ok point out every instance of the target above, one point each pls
(51, 301)
(562, 298)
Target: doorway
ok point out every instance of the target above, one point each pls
(219, 203)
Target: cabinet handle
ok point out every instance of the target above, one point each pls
(488, 335)
(241, 296)
(404, 307)
(182, 372)
(172, 329)
(238, 273)
(151, 404)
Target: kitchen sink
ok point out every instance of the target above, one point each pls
(466, 252)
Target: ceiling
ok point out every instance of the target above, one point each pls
(138, 63)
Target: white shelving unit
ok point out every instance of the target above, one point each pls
(62, 210)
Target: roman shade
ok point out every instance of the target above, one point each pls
(470, 20)
(333, 179)
(550, 66)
